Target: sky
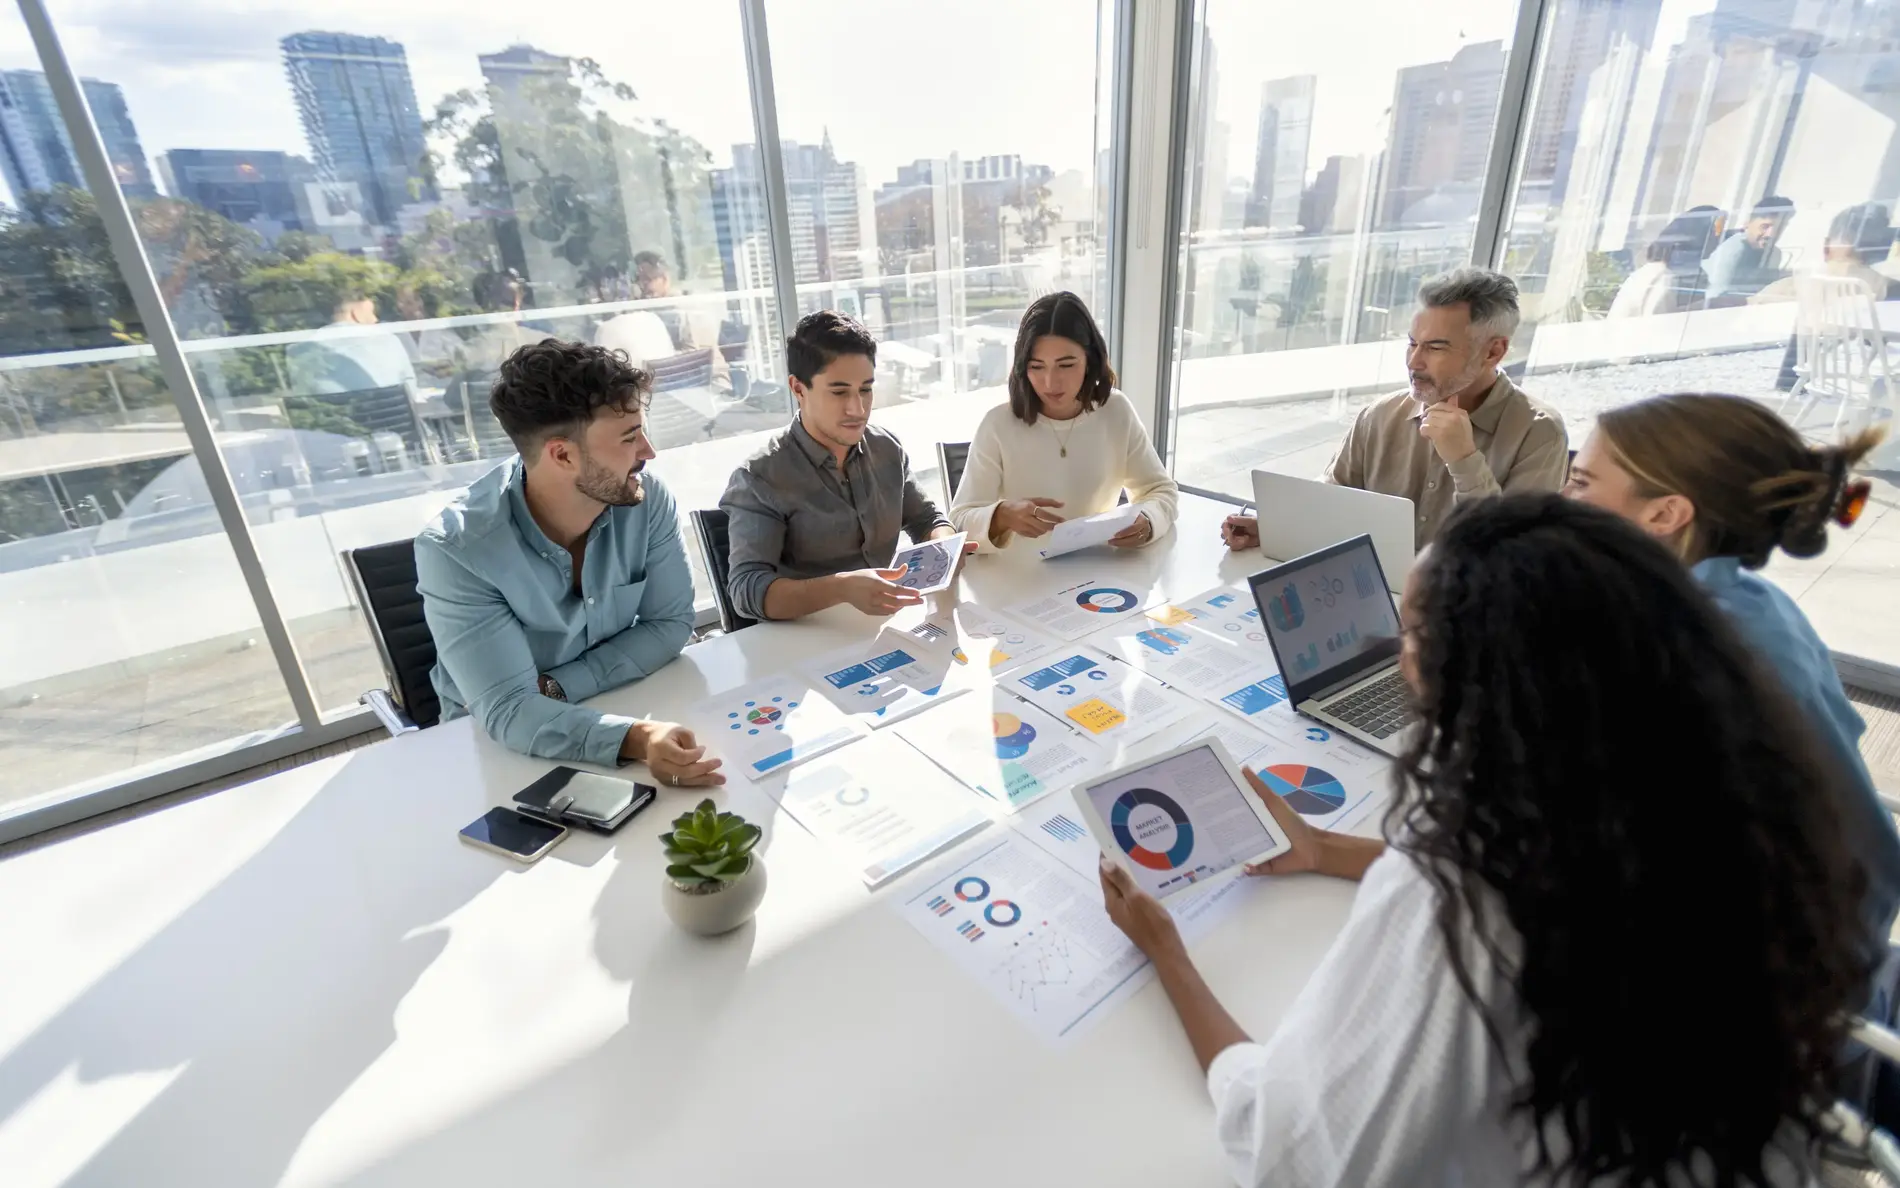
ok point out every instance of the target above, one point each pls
(893, 80)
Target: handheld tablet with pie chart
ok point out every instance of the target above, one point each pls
(754, 716)
(1159, 820)
(1013, 735)
(1307, 790)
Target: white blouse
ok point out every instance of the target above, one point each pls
(1108, 451)
(1382, 1072)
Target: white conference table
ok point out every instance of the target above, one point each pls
(310, 980)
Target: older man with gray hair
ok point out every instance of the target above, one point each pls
(1462, 430)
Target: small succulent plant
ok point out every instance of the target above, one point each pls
(709, 849)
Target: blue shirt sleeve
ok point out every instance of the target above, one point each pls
(482, 646)
(665, 617)
(1721, 265)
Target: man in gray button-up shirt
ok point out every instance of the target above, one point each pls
(814, 514)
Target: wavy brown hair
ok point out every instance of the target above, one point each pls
(1601, 761)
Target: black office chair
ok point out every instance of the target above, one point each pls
(384, 578)
(709, 524)
(952, 457)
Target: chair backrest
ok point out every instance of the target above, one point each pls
(952, 457)
(687, 369)
(384, 577)
(1839, 345)
(709, 524)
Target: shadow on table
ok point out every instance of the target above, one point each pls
(623, 1094)
(304, 930)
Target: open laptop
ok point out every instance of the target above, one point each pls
(1298, 516)
(1335, 634)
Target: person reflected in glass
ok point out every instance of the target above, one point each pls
(348, 356)
(1671, 278)
(1724, 483)
(814, 516)
(1067, 443)
(560, 574)
(1579, 959)
(661, 332)
(1461, 430)
(1857, 239)
(1748, 261)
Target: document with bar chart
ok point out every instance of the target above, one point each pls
(1032, 933)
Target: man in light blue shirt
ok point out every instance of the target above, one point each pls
(560, 574)
(1748, 261)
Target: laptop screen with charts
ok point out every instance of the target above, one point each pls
(1328, 616)
(1298, 516)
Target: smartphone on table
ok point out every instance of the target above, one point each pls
(512, 834)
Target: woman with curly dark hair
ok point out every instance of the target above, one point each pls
(1614, 934)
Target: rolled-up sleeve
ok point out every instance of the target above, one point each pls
(482, 647)
(755, 528)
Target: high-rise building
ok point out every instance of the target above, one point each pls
(257, 187)
(831, 220)
(1331, 203)
(1442, 113)
(37, 154)
(1584, 36)
(359, 112)
(1279, 172)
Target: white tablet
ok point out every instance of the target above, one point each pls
(1178, 820)
(931, 564)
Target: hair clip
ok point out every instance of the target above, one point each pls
(1853, 502)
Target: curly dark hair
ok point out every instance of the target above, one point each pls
(1063, 315)
(1600, 758)
(554, 388)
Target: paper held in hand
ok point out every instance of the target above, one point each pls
(930, 566)
(1088, 531)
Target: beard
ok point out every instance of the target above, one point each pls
(613, 489)
(1426, 391)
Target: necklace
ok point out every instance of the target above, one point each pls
(1062, 439)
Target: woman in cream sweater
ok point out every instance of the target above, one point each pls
(1067, 443)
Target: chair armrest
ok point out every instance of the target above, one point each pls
(383, 706)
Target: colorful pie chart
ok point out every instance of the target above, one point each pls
(1308, 789)
(1013, 735)
(1142, 810)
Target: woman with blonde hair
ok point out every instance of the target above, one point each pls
(1724, 482)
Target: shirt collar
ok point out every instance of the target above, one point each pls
(515, 491)
(819, 454)
(1717, 571)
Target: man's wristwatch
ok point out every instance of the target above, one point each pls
(552, 688)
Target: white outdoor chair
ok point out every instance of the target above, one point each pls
(1840, 350)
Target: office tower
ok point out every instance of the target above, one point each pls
(1279, 172)
(831, 220)
(1331, 203)
(1586, 35)
(257, 187)
(358, 107)
(37, 154)
(1442, 113)
(1210, 140)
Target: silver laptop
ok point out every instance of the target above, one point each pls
(1298, 516)
(1335, 634)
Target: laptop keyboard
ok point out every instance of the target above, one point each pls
(1380, 709)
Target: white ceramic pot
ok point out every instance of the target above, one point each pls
(710, 913)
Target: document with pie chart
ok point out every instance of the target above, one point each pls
(1178, 820)
(1075, 611)
(1003, 747)
(1323, 774)
(1104, 698)
(762, 728)
(879, 825)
